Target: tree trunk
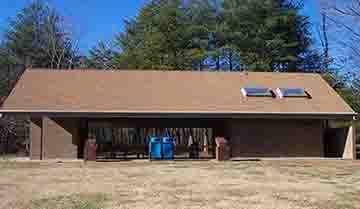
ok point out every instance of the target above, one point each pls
(326, 41)
(230, 61)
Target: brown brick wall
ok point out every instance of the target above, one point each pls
(60, 138)
(350, 144)
(276, 138)
(35, 138)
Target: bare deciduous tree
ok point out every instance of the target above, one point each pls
(344, 29)
(58, 42)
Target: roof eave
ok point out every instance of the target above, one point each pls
(184, 114)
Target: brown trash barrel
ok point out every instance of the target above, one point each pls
(90, 150)
(222, 149)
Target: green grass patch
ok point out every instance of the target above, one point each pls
(75, 201)
(19, 165)
(347, 200)
(7, 156)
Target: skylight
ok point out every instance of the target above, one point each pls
(256, 92)
(292, 92)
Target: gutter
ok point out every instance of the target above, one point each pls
(183, 114)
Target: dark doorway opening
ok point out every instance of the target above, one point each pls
(334, 142)
(117, 142)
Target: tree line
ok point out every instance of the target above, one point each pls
(232, 35)
(198, 35)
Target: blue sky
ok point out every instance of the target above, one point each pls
(94, 20)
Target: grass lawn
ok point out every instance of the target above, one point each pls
(166, 185)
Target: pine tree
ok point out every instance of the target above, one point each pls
(38, 37)
(165, 35)
(256, 35)
(269, 35)
(101, 57)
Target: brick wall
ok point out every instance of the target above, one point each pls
(35, 138)
(60, 138)
(350, 144)
(276, 138)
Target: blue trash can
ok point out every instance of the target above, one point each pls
(167, 148)
(155, 148)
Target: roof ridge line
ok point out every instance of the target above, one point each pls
(168, 71)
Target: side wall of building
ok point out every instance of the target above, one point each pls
(36, 138)
(350, 144)
(60, 137)
(276, 138)
(54, 138)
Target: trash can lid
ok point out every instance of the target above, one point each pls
(167, 139)
(154, 139)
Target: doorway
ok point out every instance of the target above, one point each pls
(116, 142)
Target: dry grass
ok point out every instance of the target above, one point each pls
(142, 184)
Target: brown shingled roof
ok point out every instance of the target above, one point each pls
(171, 92)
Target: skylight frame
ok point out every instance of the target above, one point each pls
(286, 92)
(257, 92)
